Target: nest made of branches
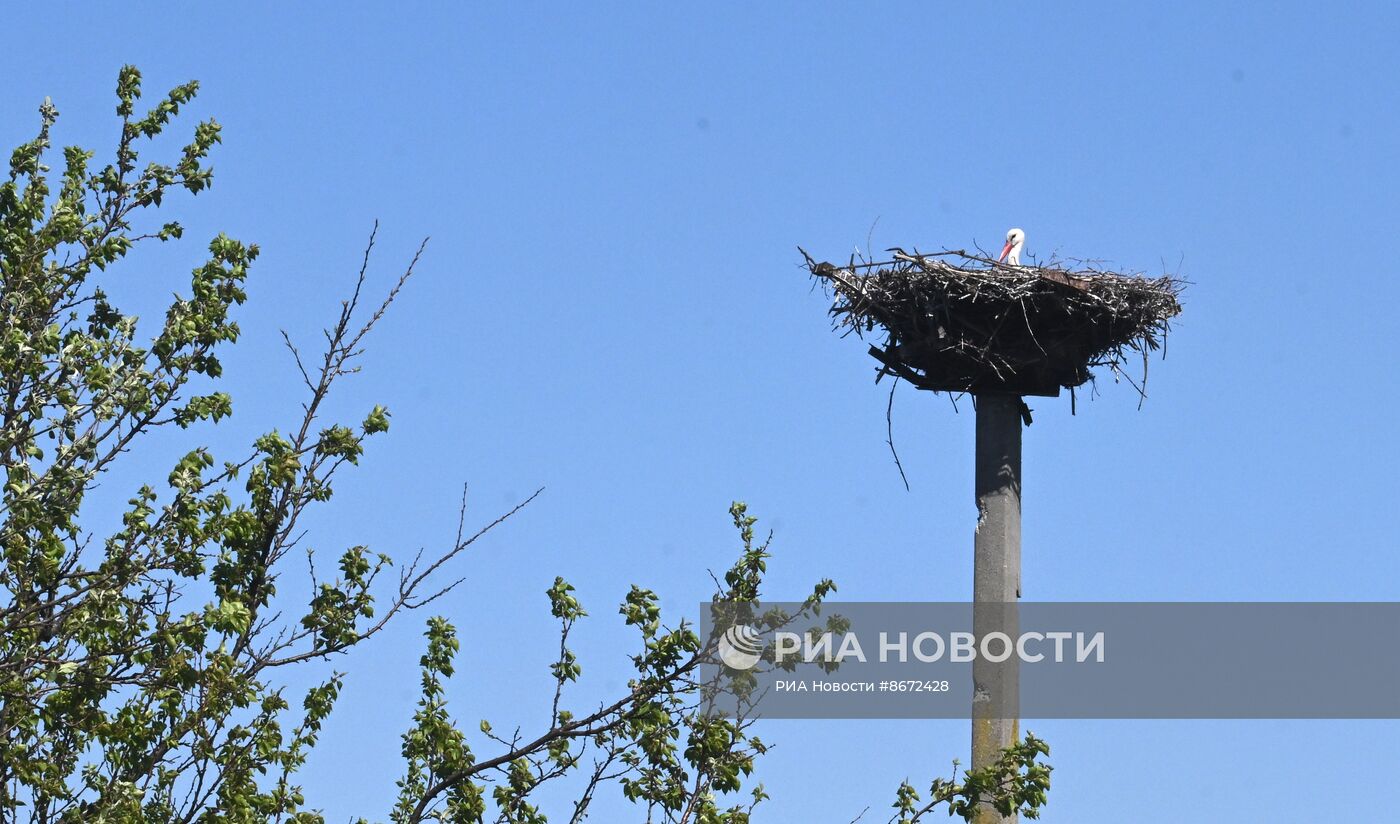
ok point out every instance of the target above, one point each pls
(956, 322)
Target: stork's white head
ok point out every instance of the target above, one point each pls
(1011, 252)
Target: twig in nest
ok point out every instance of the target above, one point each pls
(889, 434)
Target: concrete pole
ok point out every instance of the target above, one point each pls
(996, 581)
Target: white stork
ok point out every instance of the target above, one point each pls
(1011, 252)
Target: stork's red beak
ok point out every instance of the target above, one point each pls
(1005, 250)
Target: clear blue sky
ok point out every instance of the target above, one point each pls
(611, 307)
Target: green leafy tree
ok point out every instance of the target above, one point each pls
(143, 664)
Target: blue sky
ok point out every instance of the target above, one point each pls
(611, 308)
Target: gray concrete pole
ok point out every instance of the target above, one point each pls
(996, 581)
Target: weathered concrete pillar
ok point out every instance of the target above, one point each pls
(996, 581)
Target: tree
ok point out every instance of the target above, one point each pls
(142, 666)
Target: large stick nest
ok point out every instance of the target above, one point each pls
(956, 322)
